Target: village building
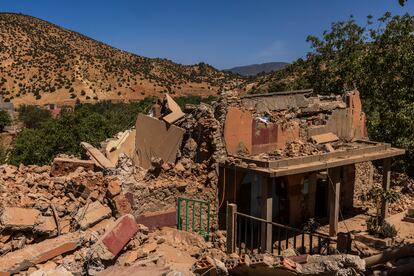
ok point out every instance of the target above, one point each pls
(292, 156)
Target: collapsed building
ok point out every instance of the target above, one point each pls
(276, 159)
(294, 148)
(298, 151)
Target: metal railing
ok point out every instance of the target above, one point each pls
(250, 233)
(193, 216)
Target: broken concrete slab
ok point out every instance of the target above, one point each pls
(324, 138)
(116, 237)
(176, 112)
(155, 140)
(97, 156)
(19, 218)
(124, 144)
(40, 252)
(91, 214)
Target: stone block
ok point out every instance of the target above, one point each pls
(46, 225)
(91, 214)
(374, 242)
(18, 218)
(114, 187)
(122, 205)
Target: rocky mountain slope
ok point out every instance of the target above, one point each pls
(254, 69)
(42, 63)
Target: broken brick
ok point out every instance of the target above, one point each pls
(116, 237)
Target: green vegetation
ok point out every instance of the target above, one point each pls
(92, 123)
(377, 60)
(5, 119)
(3, 152)
(33, 116)
(45, 137)
(183, 100)
(377, 225)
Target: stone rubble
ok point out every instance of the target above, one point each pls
(66, 224)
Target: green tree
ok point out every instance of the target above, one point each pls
(5, 119)
(33, 116)
(92, 123)
(377, 59)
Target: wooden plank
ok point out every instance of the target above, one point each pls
(386, 181)
(334, 187)
(231, 228)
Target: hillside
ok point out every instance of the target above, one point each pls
(254, 69)
(42, 63)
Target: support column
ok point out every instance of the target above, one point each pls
(231, 227)
(267, 207)
(386, 179)
(334, 196)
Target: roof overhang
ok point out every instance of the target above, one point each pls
(368, 151)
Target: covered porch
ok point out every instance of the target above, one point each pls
(287, 191)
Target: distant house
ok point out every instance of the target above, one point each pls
(54, 110)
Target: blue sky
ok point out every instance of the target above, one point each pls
(223, 33)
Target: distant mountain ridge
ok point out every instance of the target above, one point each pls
(254, 69)
(43, 63)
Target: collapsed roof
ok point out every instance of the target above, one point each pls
(280, 133)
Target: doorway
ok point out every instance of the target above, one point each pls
(321, 198)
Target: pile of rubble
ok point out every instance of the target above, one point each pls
(54, 220)
(268, 264)
(402, 184)
(80, 216)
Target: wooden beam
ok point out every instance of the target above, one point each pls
(267, 208)
(334, 197)
(386, 179)
(231, 225)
